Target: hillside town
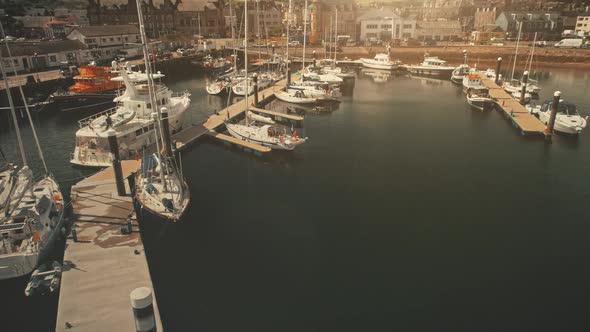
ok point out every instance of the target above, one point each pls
(78, 32)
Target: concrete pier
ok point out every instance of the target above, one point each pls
(103, 266)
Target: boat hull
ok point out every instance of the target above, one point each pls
(434, 72)
(372, 65)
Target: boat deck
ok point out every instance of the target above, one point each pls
(101, 268)
(186, 137)
(516, 112)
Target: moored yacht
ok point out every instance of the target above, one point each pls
(132, 120)
(432, 66)
(472, 81)
(380, 61)
(479, 98)
(567, 120)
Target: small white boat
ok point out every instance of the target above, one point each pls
(316, 89)
(309, 75)
(459, 73)
(218, 87)
(513, 86)
(479, 98)
(490, 73)
(567, 119)
(527, 96)
(380, 61)
(266, 136)
(432, 66)
(295, 96)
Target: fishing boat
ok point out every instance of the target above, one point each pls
(567, 120)
(92, 87)
(432, 66)
(32, 215)
(472, 81)
(159, 191)
(479, 98)
(217, 64)
(132, 122)
(380, 61)
(461, 71)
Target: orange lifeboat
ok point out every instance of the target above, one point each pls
(93, 79)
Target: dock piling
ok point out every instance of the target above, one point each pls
(525, 80)
(314, 58)
(114, 146)
(288, 74)
(143, 309)
(255, 78)
(498, 67)
(554, 107)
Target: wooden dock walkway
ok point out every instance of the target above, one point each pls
(526, 122)
(103, 266)
(209, 126)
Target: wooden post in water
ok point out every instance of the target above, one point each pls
(498, 67)
(525, 80)
(551, 123)
(166, 132)
(255, 78)
(288, 74)
(314, 58)
(114, 146)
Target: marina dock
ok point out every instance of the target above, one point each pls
(209, 126)
(102, 266)
(526, 122)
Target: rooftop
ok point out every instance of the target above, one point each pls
(107, 30)
(42, 47)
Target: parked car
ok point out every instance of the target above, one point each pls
(430, 42)
(539, 43)
(294, 43)
(586, 45)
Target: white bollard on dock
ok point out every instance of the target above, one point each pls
(143, 309)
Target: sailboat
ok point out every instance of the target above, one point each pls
(32, 212)
(159, 191)
(266, 135)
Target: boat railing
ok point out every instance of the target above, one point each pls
(85, 121)
(183, 93)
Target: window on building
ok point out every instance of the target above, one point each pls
(407, 35)
(52, 58)
(407, 26)
(371, 35)
(386, 26)
(372, 26)
(108, 52)
(580, 25)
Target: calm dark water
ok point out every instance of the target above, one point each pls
(405, 210)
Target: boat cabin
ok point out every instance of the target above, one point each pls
(564, 108)
(434, 61)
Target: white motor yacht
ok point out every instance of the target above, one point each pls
(459, 73)
(567, 119)
(432, 66)
(380, 61)
(133, 122)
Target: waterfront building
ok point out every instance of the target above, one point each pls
(322, 12)
(439, 30)
(484, 17)
(164, 17)
(547, 25)
(461, 10)
(379, 24)
(583, 25)
(104, 42)
(36, 56)
(488, 33)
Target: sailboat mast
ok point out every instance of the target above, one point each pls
(246, 78)
(288, 28)
(150, 83)
(13, 112)
(304, 32)
(258, 26)
(532, 53)
(22, 94)
(335, 35)
(516, 52)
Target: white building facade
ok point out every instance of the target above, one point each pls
(386, 25)
(104, 42)
(583, 25)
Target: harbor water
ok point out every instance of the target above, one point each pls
(405, 210)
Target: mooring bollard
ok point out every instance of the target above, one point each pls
(554, 107)
(498, 67)
(143, 309)
(313, 58)
(525, 79)
(288, 74)
(129, 226)
(114, 146)
(255, 78)
(74, 233)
